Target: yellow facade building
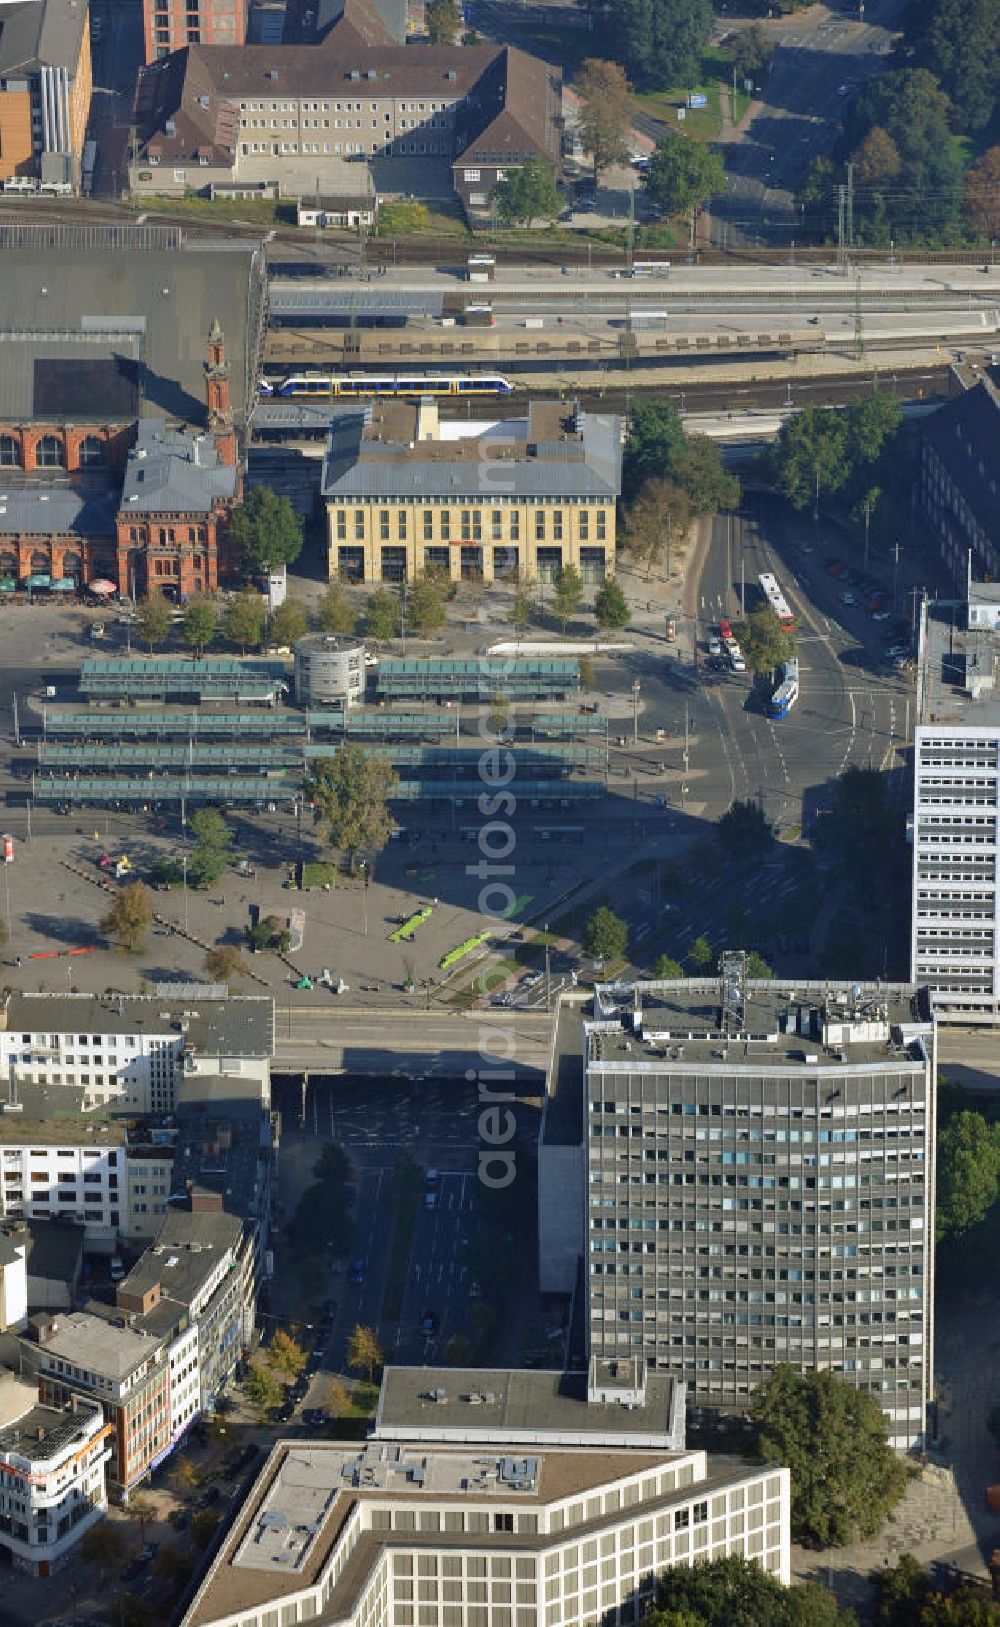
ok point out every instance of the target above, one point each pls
(406, 493)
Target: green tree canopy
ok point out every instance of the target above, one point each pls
(611, 606)
(382, 615)
(289, 622)
(262, 1389)
(701, 957)
(425, 606)
(605, 936)
(336, 612)
(350, 790)
(658, 42)
(244, 621)
(213, 842)
(442, 19)
(959, 42)
(364, 1351)
(605, 112)
(763, 640)
(527, 194)
(658, 518)
(757, 966)
(266, 530)
(846, 1479)
(752, 51)
(832, 449)
(924, 200)
(666, 967)
(905, 1596)
(703, 475)
(683, 173)
(744, 830)
(152, 618)
(200, 625)
(128, 920)
(567, 593)
(738, 1592)
(655, 441)
(968, 1173)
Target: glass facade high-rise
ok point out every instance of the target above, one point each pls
(760, 1186)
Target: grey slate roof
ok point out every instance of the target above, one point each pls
(965, 434)
(171, 472)
(188, 1248)
(57, 377)
(356, 465)
(38, 32)
(242, 1025)
(51, 510)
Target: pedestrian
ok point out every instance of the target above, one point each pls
(17, 960)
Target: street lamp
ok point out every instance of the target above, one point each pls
(636, 688)
(184, 868)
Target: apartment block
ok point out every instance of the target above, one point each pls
(168, 25)
(406, 493)
(419, 1532)
(760, 1185)
(52, 1462)
(45, 90)
(958, 480)
(955, 927)
(70, 1168)
(126, 1370)
(129, 1051)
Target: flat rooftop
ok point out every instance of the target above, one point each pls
(41, 1432)
(515, 1402)
(241, 1025)
(959, 680)
(97, 1346)
(187, 1249)
(61, 1130)
(681, 1023)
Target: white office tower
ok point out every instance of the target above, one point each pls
(955, 926)
(760, 1185)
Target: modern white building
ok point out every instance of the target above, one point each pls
(955, 927)
(759, 1185)
(52, 1486)
(70, 1168)
(129, 1052)
(415, 1533)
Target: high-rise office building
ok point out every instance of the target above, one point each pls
(955, 920)
(760, 1185)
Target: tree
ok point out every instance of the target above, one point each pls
(224, 962)
(744, 830)
(605, 936)
(286, 1354)
(611, 606)
(244, 621)
(703, 476)
(523, 606)
(682, 173)
(846, 1478)
(336, 613)
(877, 159)
(289, 622)
(184, 1474)
(655, 439)
(568, 591)
(665, 967)
(763, 640)
(103, 1545)
(166, 873)
(916, 115)
(266, 530)
(701, 957)
(968, 1173)
(152, 618)
(382, 615)
(441, 21)
(605, 112)
(752, 51)
(757, 966)
(128, 920)
(982, 195)
(906, 1597)
(337, 1402)
(727, 1592)
(527, 194)
(364, 1353)
(659, 42)
(957, 41)
(262, 1389)
(172, 1565)
(211, 852)
(200, 626)
(204, 1525)
(660, 516)
(351, 791)
(425, 608)
(810, 455)
(268, 933)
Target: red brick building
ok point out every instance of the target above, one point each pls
(132, 501)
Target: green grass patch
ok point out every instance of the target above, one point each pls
(317, 873)
(407, 1184)
(455, 955)
(405, 932)
(246, 211)
(442, 218)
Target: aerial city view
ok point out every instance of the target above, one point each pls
(500, 774)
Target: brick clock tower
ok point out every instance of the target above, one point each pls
(220, 410)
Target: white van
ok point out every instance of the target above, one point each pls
(736, 660)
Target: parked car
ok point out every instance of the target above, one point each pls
(429, 1322)
(357, 1271)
